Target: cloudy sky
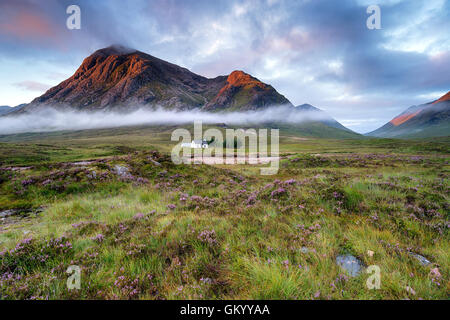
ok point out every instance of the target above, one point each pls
(311, 51)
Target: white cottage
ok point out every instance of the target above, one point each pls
(196, 144)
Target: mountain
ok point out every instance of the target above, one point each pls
(7, 109)
(445, 97)
(426, 120)
(244, 92)
(117, 77)
(120, 78)
(321, 116)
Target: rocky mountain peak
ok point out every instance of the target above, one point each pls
(239, 78)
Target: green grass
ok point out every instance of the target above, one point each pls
(227, 236)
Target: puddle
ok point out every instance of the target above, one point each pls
(350, 263)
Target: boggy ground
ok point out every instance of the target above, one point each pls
(140, 227)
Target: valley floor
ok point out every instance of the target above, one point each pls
(140, 227)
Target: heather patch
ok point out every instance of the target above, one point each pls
(156, 230)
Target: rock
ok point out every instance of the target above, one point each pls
(92, 174)
(21, 168)
(350, 263)
(7, 213)
(19, 212)
(121, 171)
(16, 168)
(81, 163)
(156, 163)
(422, 260)
(14, 216)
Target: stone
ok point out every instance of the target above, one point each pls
(121, 170)
(82, 163)
(156, 163)
(422, 260)
(7, 213)
(19, 212)
(304, 250)
(350, 263)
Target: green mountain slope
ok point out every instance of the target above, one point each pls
(422, 121)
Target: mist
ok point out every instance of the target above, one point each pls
(49, 119)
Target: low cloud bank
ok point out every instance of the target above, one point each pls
(49, 119)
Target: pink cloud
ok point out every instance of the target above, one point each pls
(25, 25)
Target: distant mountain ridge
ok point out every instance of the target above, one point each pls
(325, 118)
(7, 109)
(426, 120)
